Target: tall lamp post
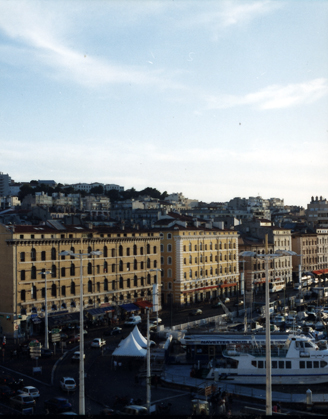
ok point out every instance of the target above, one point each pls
(46, 344)
(81, 372)
(157, 301)
(267, 257)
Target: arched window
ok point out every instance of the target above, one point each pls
(89, 251)
(135, 264)
(113, 284)
(148, 263)
(53, 254)
(148, 279)
(89, 286)
(135, 250)
(200, 246)
(33, 255)
(190, 247)
(141, 250)
(148, 249)
(169, 260)
(89, 268)
(98, 286)
(73, 251)
(169, 247)
(113, 253)
(33, 272)
(53, 290)
(105, 284)
(128, 283)
(63, 291)
(106, 300)
(142, 281)
(72, 269)
(105, 251)
(169, 273)
(22, 256)
(121, 283)
(135, 281)
(190, 259)
(121, 266)
(120, 250)
(22, 275)
(155, 250)
(43, 255)
(155, 263)
(23, 295)
(113, 267)
(105, 267)
(33, 292)
(127, 251)
(72, 288)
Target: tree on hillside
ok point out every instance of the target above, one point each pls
(25, 190)
(97, 190)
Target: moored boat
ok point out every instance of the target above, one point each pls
(299, 360)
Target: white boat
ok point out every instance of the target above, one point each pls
(299, 360)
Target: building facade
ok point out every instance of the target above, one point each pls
(123, 273)
(198, 264)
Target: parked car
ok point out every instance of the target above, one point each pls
(133, 320)
(7, 380)
(135, 410)
(30, 390)
(195, 312)
(73, 339)
(57, 405)
(216, 305)
(114, 331)
(98, 343)
(22, 401)
(6, 393)
(67, 384)
(76, 357)
(46, 353)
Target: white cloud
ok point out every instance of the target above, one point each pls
(44, 38)
(274, 97)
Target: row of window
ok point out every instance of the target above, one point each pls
(288, 364)
(210, 258)
(63, 270)
(105, 252)
(230, 245)
(72, 287)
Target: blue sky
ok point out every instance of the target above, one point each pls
(214, 99)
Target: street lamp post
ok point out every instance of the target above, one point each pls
(267, 257)
(81, 372)
(157, 305)
(46, 344)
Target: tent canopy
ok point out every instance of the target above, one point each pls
(129, 347)
(138, 337)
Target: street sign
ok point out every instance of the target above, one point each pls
(55, 330)
(55, 337)
(35, 349)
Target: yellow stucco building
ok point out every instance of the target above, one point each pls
(124, 272)
(198, 263)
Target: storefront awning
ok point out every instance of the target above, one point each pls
(95, 311)
(143, 304)
(320, 272)
(232, 284)
(129, 307)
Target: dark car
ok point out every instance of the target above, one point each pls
(46, 353)
(22, 401)
(6, 393)
(57, 405)
(216, 305)
(114, 331)
(73, 339)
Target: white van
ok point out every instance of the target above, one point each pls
(133, 321)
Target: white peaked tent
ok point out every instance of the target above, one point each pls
(138, 337)
(130, 347)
